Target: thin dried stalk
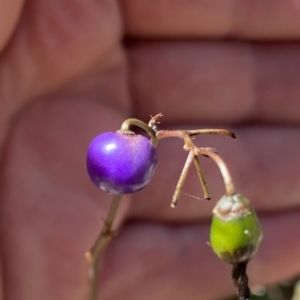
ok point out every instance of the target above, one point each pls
(94, 254)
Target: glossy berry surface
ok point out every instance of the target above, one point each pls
(119, 163)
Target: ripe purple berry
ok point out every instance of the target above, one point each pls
(120, 163)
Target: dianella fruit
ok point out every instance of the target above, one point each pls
(235, 230)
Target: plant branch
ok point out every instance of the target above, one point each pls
(230, 190)
(202, 178)
(94, 254)
(212, 131)
(182, 178)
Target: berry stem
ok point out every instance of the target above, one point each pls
(136, 122)
(230, 190)
(240, 280)
(94, 254)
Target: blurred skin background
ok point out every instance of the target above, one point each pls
(71, 69)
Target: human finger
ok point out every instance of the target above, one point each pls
(55, 42)
(9, 16)
(216, 81)
(247, 19)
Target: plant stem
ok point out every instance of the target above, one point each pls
(94, 254)
(190, 146)
(202, 178)
(211, 131)
(230, 190)
(182, 178)
(240, 280)
(136, 122)
(191, 133)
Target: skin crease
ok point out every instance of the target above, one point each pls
(65, 77)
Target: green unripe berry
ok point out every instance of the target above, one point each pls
(235, 231)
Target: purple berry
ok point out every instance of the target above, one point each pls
(120, 163)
